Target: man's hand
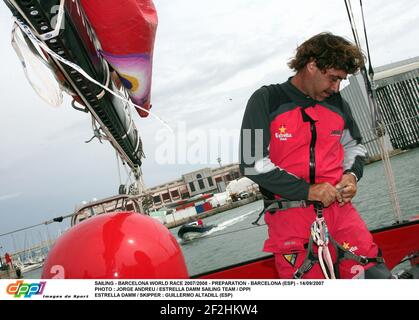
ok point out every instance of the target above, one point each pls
(324, 192)
(346, 188)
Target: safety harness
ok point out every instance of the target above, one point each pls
(319, 236)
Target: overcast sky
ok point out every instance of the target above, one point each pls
(209, 58)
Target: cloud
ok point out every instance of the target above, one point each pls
(10, 196)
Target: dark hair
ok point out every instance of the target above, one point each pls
(329, 51)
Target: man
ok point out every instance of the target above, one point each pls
(8, 260)
(299, 141)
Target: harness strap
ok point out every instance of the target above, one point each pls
(320, 235)
(310, 260)
(285, 205)
(272, 206)
(345, 254)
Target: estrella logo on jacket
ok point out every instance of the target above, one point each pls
(348, 247)
(27, 290)
(283, 135)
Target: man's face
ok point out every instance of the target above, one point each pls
(327, 82)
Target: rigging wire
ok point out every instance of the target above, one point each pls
(377, 121)
(21, 229)
(124, 97)
(363, 70)
(352, 22)
(26, 29)
(118, 167)
(370, 69)
(129, 179)
(389, 124)
(375, 113)
(57, 219)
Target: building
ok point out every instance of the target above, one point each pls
(205, 180)
(397, 90)
(397, 96)
(356, 95)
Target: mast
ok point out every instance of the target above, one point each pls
(72, 47)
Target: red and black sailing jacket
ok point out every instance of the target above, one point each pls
(289, 141)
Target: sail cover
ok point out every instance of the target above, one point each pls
(126, 30)
(38, 71)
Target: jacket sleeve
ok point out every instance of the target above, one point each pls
(254, 152)
(354, 151)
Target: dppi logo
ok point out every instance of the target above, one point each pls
(27, 290)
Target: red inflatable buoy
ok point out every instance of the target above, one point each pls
(122, 245)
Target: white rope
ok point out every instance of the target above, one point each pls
(388, 125)
(118, 168)
(376, 117)
(320, 235)
(29, 33)
(391, 183)
(128, 175)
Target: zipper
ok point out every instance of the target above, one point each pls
(312, 152)
(312, 165)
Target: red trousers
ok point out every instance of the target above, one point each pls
(289, 231)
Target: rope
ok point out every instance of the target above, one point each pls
(22, 229)
(128, 175)
(57, 219)
(118, 168)
(370, 69)
(320, 235)
(376, 115)
(363, 69)
(376, 118)
(352, 22)
(74, 66)
(391, 184)
(390, 124)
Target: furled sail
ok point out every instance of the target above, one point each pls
(126, 30)
(86, 42)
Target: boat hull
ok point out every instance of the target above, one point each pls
(396, 242)
(190, 232)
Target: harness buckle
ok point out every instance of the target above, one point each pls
(303, 204)
(363, 260)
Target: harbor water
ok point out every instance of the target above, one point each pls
(235, 239)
